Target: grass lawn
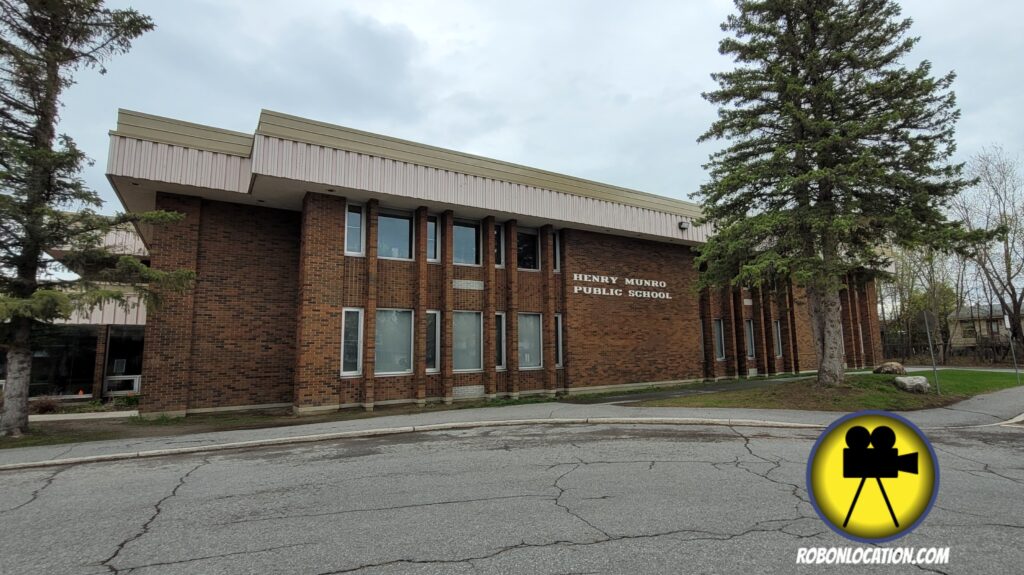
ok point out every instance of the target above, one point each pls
(860, 391)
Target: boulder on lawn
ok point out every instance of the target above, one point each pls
(913, 384)
(892, 368)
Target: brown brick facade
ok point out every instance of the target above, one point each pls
(263, 324)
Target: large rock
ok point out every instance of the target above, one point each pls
(891, 367)
(913, 384)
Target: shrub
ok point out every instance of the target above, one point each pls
(126, 402)
(44, 404)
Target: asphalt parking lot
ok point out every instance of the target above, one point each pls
(527, 499)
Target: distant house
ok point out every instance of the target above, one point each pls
(978, 325)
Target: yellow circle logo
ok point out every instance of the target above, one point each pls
(872, 476)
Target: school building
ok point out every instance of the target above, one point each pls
(338, 268)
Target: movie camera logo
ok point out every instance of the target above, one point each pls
(847, 467)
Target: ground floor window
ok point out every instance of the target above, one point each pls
(778, 338)
(718, 332)
(558, 339)
(467, 341)
(433, 340)
(499, 340)
(394, 341)
(749, 325)
(124, 359)
(530, 341)
(351, 341)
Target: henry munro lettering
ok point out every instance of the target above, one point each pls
(619, 287)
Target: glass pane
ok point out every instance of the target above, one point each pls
(465, 242)
(528, 246)
(432, 238)
(354, 230)
(499, 341)
(124, 350)
(394, 341)
(63, 359)
(467, 346)
(394, 237)
(778, 338)
(499, 243)
(432, 340)
(750, 338)
(529, 340)
(719, 339)
(350, 342)
(558, 340)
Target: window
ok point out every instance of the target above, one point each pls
(993, 326)
(750, 339)
(394, 237)
(124, 359)
(499, 245)
(968, 329)
(467, 341)
(466, 244)
(778, 338)
(499, 340)
(718, 331)
(394, 341)
(528, 248)
(433, 340)
(351, 341)
(354, 231)
(433, 235)
(530, 350)
(558, 340)
(558, 251)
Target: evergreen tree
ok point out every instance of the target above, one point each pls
(835, 149)
(44, 204)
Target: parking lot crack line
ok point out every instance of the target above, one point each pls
(35, 494)
(127, 570)
(561, 493)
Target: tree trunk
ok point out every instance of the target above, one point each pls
(14, 418)
(826, 328)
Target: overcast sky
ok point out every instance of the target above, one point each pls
(605, 90)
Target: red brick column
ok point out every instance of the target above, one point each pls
(739, 331)
(318, 328)
(99, 371)
(761, 358)
(370, 316)
(869, 321)
(562, 280)
(420, 309)
(448, 304)
(547, 267)
(490, 369)
(167, 356)
(768, 321)
(789, 327)
(708, 332)
(512, 306)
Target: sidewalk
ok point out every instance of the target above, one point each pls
(985, 409)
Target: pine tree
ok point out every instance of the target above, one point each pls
(835, 149)
(44, 204)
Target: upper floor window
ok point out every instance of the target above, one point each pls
(354, 231)
(433, 239)
(466, 243)
(499, 245)
(558, 250)
(394, 237)
(528, 249)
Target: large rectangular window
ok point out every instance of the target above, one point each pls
(466, 243)
(433, 340)
(530, 341)
(499, 340)
(394, 341)
(467, 341)
(718, 331)
(558, 340)
(124, 359)
(354, 231)
(778, 338)
(499, 245)
(433, 240)
(351, 341)
(968, 329)
(751, 353)
(394, 237)
(558, 250)
(528, 249)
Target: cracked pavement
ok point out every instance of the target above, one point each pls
(531, 499)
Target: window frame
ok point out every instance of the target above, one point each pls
(501, 329)
(748, 332)
(968, 327)
(718, 335)
(479, 242)
(359, 341)
(412, 343)
(778, 338)
(437, 240)
(499, 245)
(480, 314)
(412, 234)
(437, 339)
(362, 229)
(540, 341)
(540, 260)
(559, 357)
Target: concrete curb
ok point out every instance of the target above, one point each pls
(80, 416)
(407, 429)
